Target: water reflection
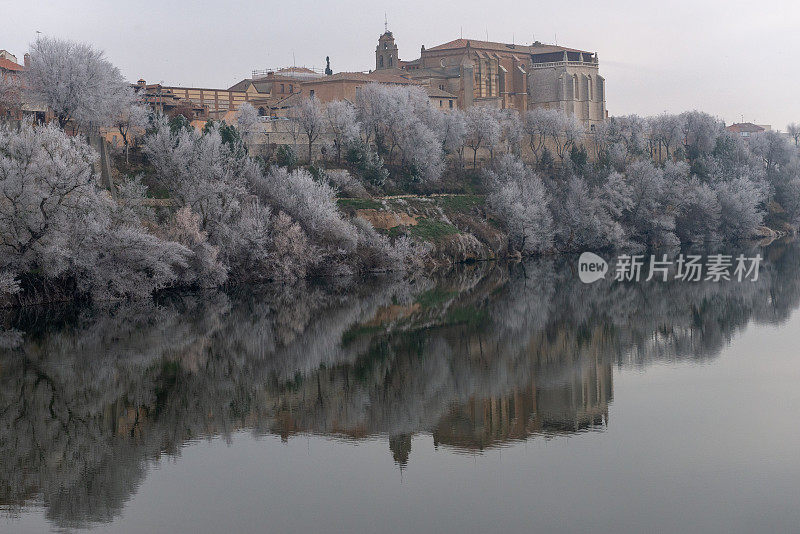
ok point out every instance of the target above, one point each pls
(483, 356)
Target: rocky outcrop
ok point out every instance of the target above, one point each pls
(386, 220)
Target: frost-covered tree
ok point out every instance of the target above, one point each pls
(622, 140)
(129, 117)
(310, 203)
(665, 131)
(695, 203)
(337, 246)
(539, 125)
(310, 118)
(512, 130)
(61, 233)
(420, 148)
(648, 217)
(203, 269)
(793, 130)
(74, 80)
(341, 116)
(571, 135)
(483, 130)
(404, 128)
(455, 131)
(700, 132)
(212, 178)
(584, 217)
(347, 184)
(740, 202)
(774, 150)
(247, 120)
(519, 199)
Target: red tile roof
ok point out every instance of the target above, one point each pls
(6, 64)
(374, 76)
(439, 93)
(505, 47)
(745, 127)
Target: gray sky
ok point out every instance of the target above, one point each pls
(731, 58)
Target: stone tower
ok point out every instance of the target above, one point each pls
(386, 52)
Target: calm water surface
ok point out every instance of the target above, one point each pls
(494, 398)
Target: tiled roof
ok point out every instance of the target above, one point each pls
(505, 47)
(261, 85)
(452, 71)
(435, 91)
(374, 76)
(241, 86)
(745, 127)
(7, 64)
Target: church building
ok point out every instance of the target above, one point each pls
(506, 76)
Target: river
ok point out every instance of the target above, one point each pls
(496, 398)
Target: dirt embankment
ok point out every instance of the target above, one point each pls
(456, 226)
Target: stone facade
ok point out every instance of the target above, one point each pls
(510, 76)
(386, 52)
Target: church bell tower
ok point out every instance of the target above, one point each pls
(386, 52)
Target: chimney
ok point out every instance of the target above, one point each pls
(26, 59)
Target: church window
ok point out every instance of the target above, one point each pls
(380, 61)
(390, 61)
(575, 87)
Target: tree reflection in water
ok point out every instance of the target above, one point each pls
(483, 356)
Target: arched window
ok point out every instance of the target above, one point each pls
(380, 61)
(390, 61)
(575, 87)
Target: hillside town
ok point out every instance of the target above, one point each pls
(475, 150)
(278, 268)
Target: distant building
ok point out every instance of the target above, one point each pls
(268, 89)
(10, 100)
(504, 76)
(348, 85)
(164, 101)
(8, 56)
(747, 129)
(15, 105)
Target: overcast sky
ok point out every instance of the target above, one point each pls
(731, 58)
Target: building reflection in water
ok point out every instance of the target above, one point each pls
(486, 355)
